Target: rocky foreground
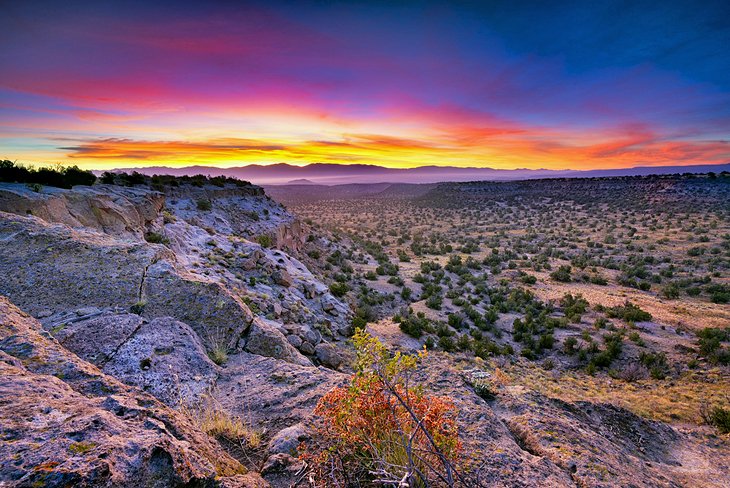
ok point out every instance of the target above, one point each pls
(127, 314)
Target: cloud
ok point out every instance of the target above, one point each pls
(112, 148)
(618, 149)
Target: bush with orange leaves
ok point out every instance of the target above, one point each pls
(382, 430)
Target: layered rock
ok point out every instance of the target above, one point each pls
(111, 209)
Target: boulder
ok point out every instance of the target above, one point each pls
(282, 278)
(287, 440)
(310, 335)
(294, 340)
(328, 355)
(307, 348)
(265, 340)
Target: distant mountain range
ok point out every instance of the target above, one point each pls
(337, 174)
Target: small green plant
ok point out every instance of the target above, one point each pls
(138, 308)
(716, 416)
(219, 355)
(168, 218)
(562, 274)
(265, 240)
(156, 238)
(628, 312)
(81, 447)
(657, 364)
(339, 289)
(204, 204)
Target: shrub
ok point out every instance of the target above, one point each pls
(219, 355)
(657, 364)
(434, 302)
(339, 289)
(447, 344)
(379, 429)
(528, 279)
(204, 204)
(574, 306)
(717, 416)
(569, 345)
(562, 274)
(107, 177)
(138, 308)
(671, 291)
(217, 422)
(61, 177)
(710, 343)
(265, 240)
(156, 238)
(415, 324)
(628, 312)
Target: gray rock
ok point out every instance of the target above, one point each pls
(287, 440)
(307, 348)
(280, 463)
(72, 425)
(267, 341)
(294, 340)
(84, 311)
(282, 278)
(346, 330)
(311, 335)
(328, 355)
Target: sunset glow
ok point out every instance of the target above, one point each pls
(107, 85)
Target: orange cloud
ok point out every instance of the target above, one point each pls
(498, 149)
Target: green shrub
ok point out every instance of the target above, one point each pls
(569, 344)
(265, 240)
(562, 274)
(720, 418)
(156, 238)
(204, 204)
(628, 312)
(656, 362)
(339, 289)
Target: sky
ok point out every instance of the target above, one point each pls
(557, 85)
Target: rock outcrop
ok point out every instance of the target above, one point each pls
(161, 356)
(110, 209)
(65, 423)
(154, 315)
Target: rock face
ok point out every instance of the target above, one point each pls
(208, 274)
(65, 423)
(161, 356)
(152, 315)
(111, 209)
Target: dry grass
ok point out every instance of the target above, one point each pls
(217, 422)
(674, 400)
(691, 313)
